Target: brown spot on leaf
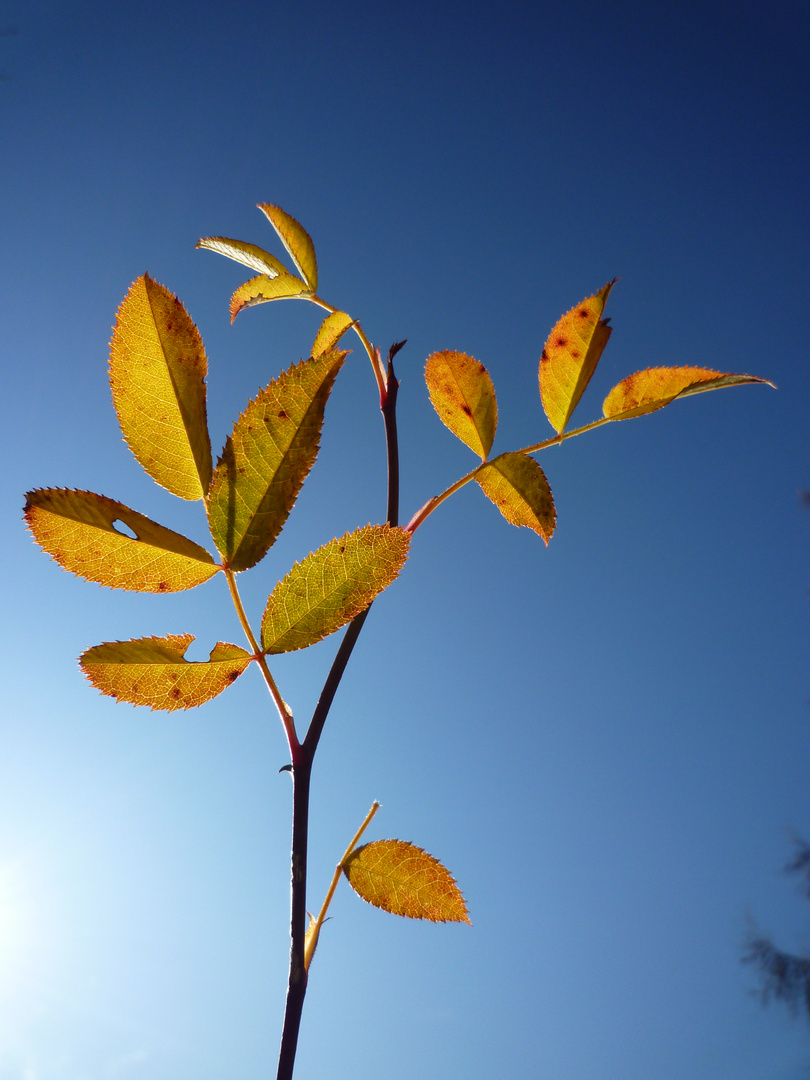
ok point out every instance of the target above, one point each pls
(561, 342)
(233, 676)
(176, 692)
(465, 408)
(162, 586)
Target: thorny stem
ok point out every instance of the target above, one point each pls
(304, 753)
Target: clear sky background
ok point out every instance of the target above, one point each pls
(607, 742)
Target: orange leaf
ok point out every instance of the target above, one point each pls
(157, 375)
(261, 289)
(405, 880)
(153, 671)
(331, 330)
(570, 357)
(518, 487)
(646, 391)
(296, 240)
(78, 529)
(462, 393)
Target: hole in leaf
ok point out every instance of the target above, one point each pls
(124, 529)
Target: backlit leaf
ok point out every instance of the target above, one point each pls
(78, 529)
(405, 880)
(266, 460)
(518, 487)
(570, 357)
(247, 254)
(153, 671)
(327, 589)
(462, 393)
(261, 289)
(646, 391)
(297, 242)
(332, 329)
(157, 375)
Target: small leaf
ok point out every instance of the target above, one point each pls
(153, 671)
(462, 393)
(327, 589)
(570, 357)
(261, 289)
(332, 329)
(297, 242)
(646, 391)
(267, 458)
(405, 880)
(157, 375)
(78, 529)
(247, 254)
(518, 487)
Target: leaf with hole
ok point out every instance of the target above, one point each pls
(157, 375)
(402, 878)
(570, 357)
(518, 487)
(296, 240)
(327, 589)
(267, 458)
(77, 528)
(153, 671)
(246, 254)
(646, 391)
(462, 394)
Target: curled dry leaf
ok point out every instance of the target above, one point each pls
(462, 394)
(78, 529)
(402, 878)
(153, 671)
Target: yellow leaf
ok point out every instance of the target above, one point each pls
(78, 529)
(247, 254)
(157, 375)
(153, 671)
(297, 242)
(332, 329)
(462, 393)
(327, 589)
(267, 458)
(261, 289)
(570, 357)
(646, 391)
(405, 880)
(518, 487)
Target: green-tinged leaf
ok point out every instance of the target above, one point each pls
(157, 375)
(78, 529)
(266, 460)
(570, 357)
(153, 671)
(261, 289)
(405, 880)
(646, 391)
(518, 487)
(332, 329)
(328, 588)
(247, 254)
(297, 242)
(462, 393)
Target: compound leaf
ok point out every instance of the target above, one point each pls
(247, 254)
(646, 391)
(78, 529)
(405, 880)
(296, 240)
(266, 460)
(331, 330)
(261, 289)
(153, 671)
(462, 393)
(570, 357)
(518, 487)
(327, 589)
(157, 375)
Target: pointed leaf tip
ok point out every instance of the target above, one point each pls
(296, 240)
(646, 391)
(462, 394)
(403, 879)
(570, 356)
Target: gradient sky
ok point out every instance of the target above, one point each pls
(607, 742)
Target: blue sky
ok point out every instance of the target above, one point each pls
(607, 741)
